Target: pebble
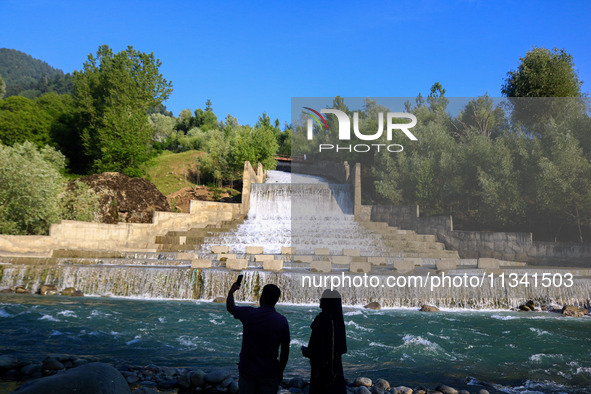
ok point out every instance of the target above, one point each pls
(145, 390)
(7, 361)
(362, 381)
(217, 376)
(198, 378)
(51, 364)
(446, 389)
(382, 384)
(133, 378)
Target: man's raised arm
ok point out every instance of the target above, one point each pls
(230, 304)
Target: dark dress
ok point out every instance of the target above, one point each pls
(327, 345)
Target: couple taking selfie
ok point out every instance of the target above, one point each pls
(265, 331)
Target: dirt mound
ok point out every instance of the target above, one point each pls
(181, 198)
(125, 199)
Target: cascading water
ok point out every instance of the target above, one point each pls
(167, 282)
(300, 211)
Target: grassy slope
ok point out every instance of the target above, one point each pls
(170, 171)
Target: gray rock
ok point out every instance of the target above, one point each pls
(7, 361)
(217, 376)
(145, 390)
(464, 392)
(171, 373)
(219, 300)
(220, 389)
(197, 378)
(361, 381)
(403, 390)
(132, 378)
(51, 364)
(483, 391)
(79, 361)
(233, 387)
(226, 382)
(31, 369)
(362, 390)
(377, 390)
(185, 380)
(147, 383)
(446, 389)
(93, 378)
(382, 384)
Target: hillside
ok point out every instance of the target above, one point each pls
(175, 175)
(30, 77)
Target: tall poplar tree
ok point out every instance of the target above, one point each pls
(113, 93)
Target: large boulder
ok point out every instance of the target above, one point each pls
(429, 308)
(22, 289)
(570, 310)
(125, 199)
(48, 290)
(92, 378)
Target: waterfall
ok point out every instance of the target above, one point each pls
(306, 215)
(173, 282)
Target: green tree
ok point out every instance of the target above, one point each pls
(543, 73)
(31, 185)
(79, 202)
(21, 120)
(481, 116)
(113, 93)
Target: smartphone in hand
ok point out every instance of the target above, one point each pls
(239, 280)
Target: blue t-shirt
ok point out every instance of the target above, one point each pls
(264, 329)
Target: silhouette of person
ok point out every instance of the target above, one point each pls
(327, 344)
(264, 331)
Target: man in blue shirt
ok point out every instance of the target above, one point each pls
(264, 331)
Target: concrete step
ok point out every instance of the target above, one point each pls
(409, 237)
(374, 225)
(413, 245)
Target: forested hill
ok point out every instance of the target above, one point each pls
(26, 76)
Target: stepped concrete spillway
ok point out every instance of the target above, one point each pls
(297, 228)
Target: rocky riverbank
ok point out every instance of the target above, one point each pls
(67, 373)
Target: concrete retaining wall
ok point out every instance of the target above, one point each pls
(131, 236)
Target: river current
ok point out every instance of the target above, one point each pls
(501, 351)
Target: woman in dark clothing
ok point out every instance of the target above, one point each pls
(327, 344)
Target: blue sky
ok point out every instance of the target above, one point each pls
(250, 57)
